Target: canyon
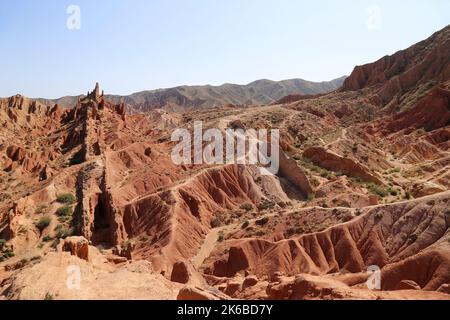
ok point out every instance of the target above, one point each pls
(364, 180)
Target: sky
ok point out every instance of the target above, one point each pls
(54, 48)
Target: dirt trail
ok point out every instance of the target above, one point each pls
(212, 238)
(209, 244)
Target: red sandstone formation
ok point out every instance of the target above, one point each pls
(363, 181)
(398, 74)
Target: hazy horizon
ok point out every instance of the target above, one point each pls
(181, 85)
(149, 45)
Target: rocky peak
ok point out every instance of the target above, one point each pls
(95, 94)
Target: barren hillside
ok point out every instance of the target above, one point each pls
(364, 181)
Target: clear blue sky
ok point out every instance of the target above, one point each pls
(136, 45)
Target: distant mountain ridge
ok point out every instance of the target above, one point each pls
(184, 98)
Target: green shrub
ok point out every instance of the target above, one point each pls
(63, 219)
(245, 224)
(40, 208)
(6, 254)
(126, 244)
(64, 233)
(43, 223)
(64, 211)
(266, 205)
(215, 223)
(23, 229)
(262, 221)
(247, 207)
(49, 296)
(377, 190)
(47, 239)
(66, 198)
(2, 243)
(23, 262)
(378, 216)
(393, 192)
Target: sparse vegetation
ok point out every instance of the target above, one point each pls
(43, 223)
(247, 207)
(216, 222)
(309, 165)
(49, 296)
(64, 233)
(314, 182)
(393, 192)
(35, 258)
(66, 198)
(245, 224)
(126, 245)
(294, 230)
(392, 171)
(377, 190)
(265, 205)
(41, 209)
(22, 263)
(220, 219)
(6, 254)
(345, 204)
(64, 211)
(378, 216)
(23, 229)
(262, 221)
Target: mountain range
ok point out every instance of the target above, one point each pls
(363, 186)
(182, 98)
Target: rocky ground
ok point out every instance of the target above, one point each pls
(364, 180)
